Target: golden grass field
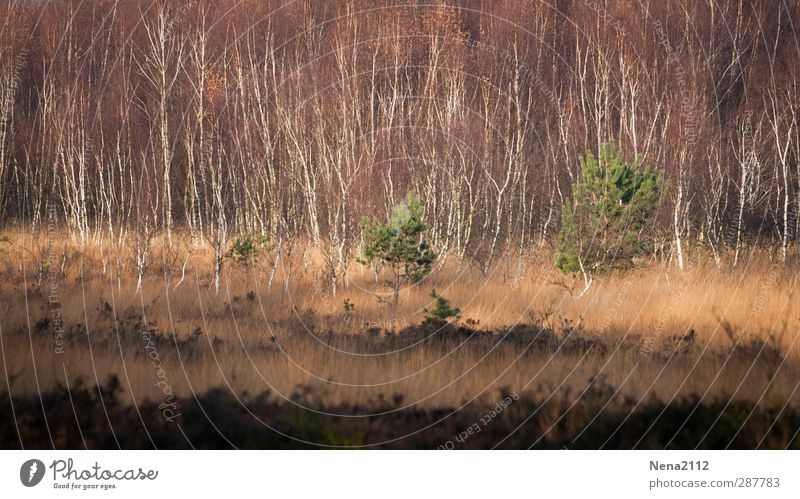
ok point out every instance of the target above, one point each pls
(655, 332)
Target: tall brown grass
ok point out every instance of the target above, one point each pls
(654, 332)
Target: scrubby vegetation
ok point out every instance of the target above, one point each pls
(219, 420)
(678, 342)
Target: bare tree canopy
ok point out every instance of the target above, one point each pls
(298, 118)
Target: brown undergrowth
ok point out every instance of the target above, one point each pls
(657, 332)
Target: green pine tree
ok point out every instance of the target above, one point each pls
(249, 247)
(443, 312)
(400, 244)
(605, 226)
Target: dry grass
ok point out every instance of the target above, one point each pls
(656, 332)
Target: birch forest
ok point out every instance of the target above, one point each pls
(125, 120)
(416, 224)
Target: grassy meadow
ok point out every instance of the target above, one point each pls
(72, 317)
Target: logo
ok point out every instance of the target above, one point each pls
(31, 472)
